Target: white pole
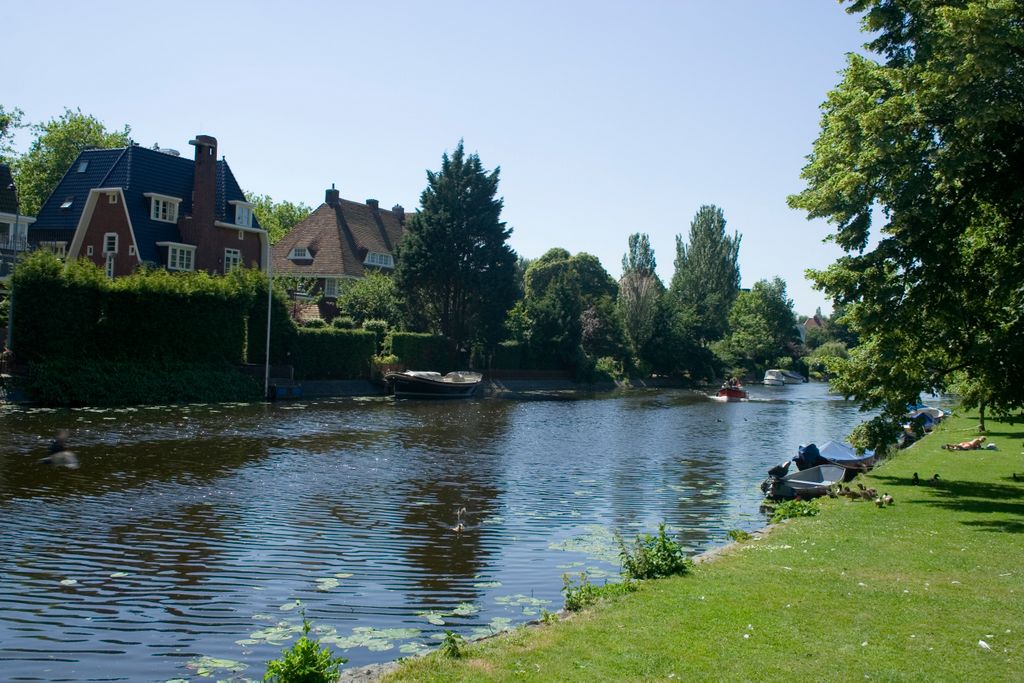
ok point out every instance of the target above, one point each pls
(270, 297)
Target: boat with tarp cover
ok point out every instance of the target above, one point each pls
(426, 384)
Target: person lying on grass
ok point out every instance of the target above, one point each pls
(972, 445)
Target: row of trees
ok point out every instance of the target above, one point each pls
(458, 276)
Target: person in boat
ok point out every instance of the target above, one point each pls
(732, 383)
(972, 445)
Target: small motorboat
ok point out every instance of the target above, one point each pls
(774, 378)
(424, 384)
(810, 483)
(846, 456)
(731, 391)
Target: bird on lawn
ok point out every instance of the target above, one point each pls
(916, 480)
(887, 499)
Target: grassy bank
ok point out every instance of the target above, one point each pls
(905, 592)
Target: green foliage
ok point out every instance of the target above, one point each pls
(57, 143)
(379, 328)
(79, 381)
(739, 535)
(762, 327)
(653, 556)
(343, 322)
(932, 133)
(640, 292)
(282, 327)
(10, 121)
(304, 662)
(707, 272)
(822, 356)
(328, 353)
(373, 297)
(453, 645)
(5, 310)
(317, 324)
(277, 218)
(419, 351)
(794, 508)
(455, 267)
(585, 593)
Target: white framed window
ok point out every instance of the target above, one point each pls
(299, 252)
(180, 258)
(375, 258)
(88, 250)
(241, 234)
(232, 260)
(243, 215)
(331, 288)
(162, 207)
(112, 198)
(110, 266)
(110, 243)
(131, 250)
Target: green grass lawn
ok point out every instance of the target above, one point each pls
(904, 592)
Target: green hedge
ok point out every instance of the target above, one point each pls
(419, 351)
(76, 382)
(330, 353)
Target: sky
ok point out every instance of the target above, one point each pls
(605, 118)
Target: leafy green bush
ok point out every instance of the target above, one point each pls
(334, 354)
(453, 645)
(343, 322)
(314, 324)
(653, 557)
(75, 382)
(739, 535)
(585, 594)
(304, 662)
(794, 508)
(418, 351)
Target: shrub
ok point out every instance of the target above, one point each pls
(794, 508)
(333, 354)
(420, 351)
(653, 557)
(453, 645)
(739, 535)
(304, 662)
(314, 324)
(586, 593)
(343, 322)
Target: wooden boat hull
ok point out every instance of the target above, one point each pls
(731, 394)
(433, 385)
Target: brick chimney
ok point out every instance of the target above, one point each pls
(372, 203)
(204, 182)
(332, 196)
(399, 212)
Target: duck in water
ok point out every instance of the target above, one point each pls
(59, 455)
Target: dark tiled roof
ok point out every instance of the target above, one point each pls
(137, 170)
(8, 195)
(338, 237)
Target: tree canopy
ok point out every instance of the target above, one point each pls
(455, 268)
(10, 120)
(707, 272)
(57, 143)
(762, 325)
(277, 218)
(640, 291)
(929, 138)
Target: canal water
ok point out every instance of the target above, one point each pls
(192, 538)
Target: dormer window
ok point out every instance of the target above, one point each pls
(299, 253)
(110, 243)
(243, 213)
(375, 258)
(162, 207)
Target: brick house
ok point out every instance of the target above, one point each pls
(121, 208)
(340, 240)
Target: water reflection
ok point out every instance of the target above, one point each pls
(191, 531)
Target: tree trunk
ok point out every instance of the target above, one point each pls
(981, 414)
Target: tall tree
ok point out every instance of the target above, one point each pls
(372, 297)
(933, 134)
(10, 121)
(761, 326)
(640, 291)
(455, 268)
(277, 218)
(707, 272)
(57, 143)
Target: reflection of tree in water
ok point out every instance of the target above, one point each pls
(452, 462)
(182, 544)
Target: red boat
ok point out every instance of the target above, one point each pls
(731, 392)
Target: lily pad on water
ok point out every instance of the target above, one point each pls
(496, 625)
(597, 543)
(289, 606)
(413, 648)
(327, 584)
(465, 609)
(432, 616)
(69, 582)
(118, 575)
(343, 575)
(208, 666)
(487, 584)
(276, 635)
(375, 640)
